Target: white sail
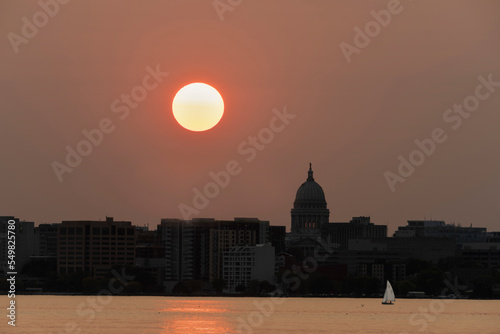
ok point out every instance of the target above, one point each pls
(389, 294)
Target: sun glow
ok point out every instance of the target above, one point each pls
(198, 107)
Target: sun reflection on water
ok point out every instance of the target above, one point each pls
(196, 316)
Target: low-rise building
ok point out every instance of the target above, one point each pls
(439, 229)
(485, 254)
(430, 249)
(243, 264)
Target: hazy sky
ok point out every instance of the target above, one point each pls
(352, 119)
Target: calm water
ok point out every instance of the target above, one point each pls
(135, 315)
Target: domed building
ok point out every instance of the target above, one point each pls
(310, 213)
(313, 235)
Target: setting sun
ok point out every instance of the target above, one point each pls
(198, 107)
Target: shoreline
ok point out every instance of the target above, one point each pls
(56, 294)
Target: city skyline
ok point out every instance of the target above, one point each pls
(209, 252)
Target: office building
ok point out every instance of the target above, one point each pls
(94, 246)
(194, 249)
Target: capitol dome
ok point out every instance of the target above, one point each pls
(310, 191)
(310, 210)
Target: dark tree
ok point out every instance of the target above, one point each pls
(219, 284)
(133, 288)
(482, 286)
(431, 281)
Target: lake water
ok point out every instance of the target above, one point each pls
(162, 315)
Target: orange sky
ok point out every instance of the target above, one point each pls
(352, 120)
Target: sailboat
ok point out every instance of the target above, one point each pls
(388, 295)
